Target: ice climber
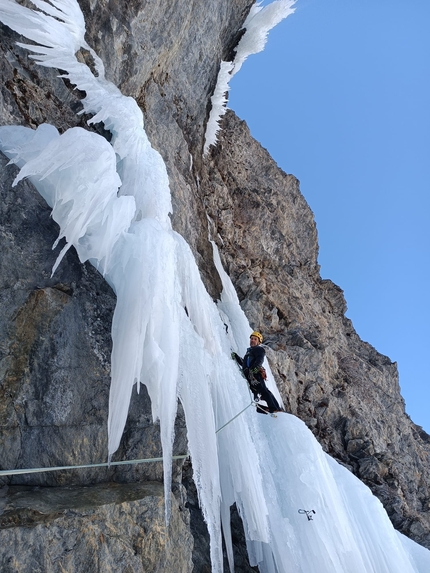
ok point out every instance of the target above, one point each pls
(251, 365)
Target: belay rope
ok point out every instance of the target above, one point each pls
(126, 462)
(234, 417)
(253, 403)
(107, 464)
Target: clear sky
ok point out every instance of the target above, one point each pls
(341, 99)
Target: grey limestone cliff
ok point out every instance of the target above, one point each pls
(344, 390)
(55, 331)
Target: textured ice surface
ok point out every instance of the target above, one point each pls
(111, 202)
(218, 103)
(257, 25)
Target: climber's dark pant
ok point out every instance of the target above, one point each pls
(258, 387)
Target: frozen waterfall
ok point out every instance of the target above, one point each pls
(114, 210)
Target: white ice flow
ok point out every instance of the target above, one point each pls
(257, 26)
(111, 201)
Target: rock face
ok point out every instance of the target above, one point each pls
(347, 393)
(55, 331)
(104, 528)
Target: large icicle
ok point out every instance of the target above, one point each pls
(168, 334)
(129, 237)
(218, 104)
(258, 24)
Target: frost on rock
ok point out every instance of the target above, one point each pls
(112, 202)
(218, 103)
(257, 25)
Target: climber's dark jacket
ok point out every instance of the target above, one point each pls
(253, 359)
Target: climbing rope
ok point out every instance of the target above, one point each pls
(106, 464)
(237, 415)
(253, 403)
(123, 463)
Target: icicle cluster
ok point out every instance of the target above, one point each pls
(218, 103)
(258, 24)
(111, 202)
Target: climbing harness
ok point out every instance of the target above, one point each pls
(308, 513)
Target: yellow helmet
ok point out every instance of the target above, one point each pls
(258, 335)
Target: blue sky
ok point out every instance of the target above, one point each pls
(341, 99)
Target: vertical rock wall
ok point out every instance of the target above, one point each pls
(347, 393)
(98, 529)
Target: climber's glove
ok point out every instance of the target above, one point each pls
(255, 370)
